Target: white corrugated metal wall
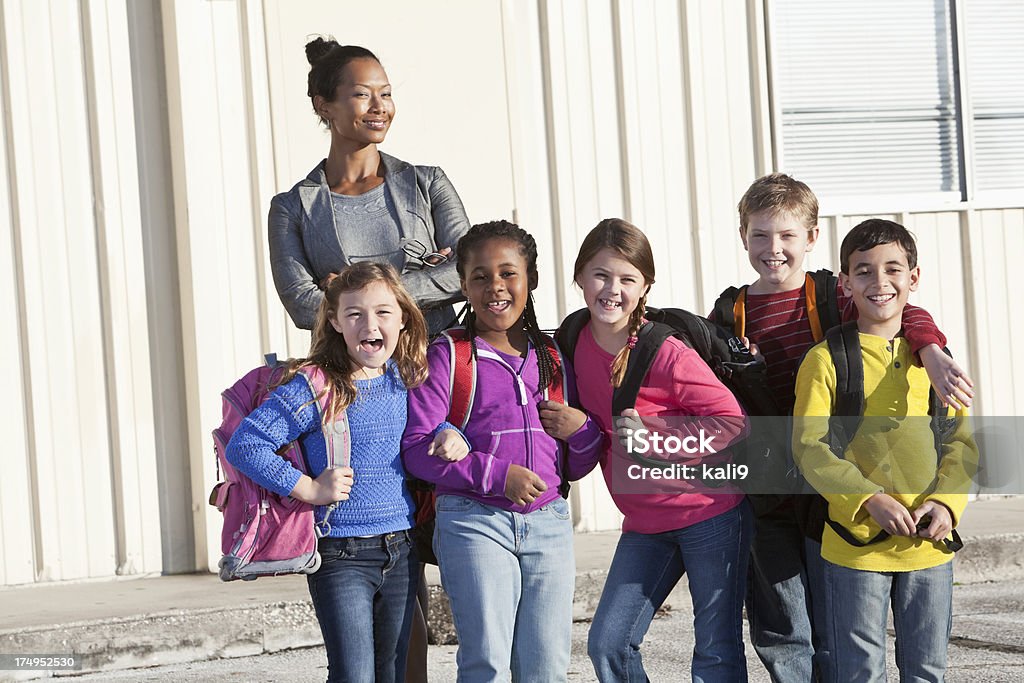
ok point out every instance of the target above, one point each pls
(563, 111)
(79, 485)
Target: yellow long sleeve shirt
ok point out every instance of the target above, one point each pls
(890, 453)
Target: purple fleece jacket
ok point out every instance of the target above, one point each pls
(504, 429)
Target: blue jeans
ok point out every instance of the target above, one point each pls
(714, 555)
(363, 595)
(509, 579)
(785, 599)
(922, 609)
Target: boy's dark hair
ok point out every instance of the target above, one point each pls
(327, 60)
(498, 230)
(872, 233)
(778, 193)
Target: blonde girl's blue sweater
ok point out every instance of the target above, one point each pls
(379, 502)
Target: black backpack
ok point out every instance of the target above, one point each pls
(822, 315)
(741, 373)
(848, 414)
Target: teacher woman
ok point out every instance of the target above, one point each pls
(360, 204)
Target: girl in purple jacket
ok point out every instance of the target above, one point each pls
(503, 536)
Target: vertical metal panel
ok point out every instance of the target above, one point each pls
(125, 320)
(163, 305)
(17, 540)
(583, 127)
(213, 209)
(262, 176)
(654, 128)
(942, 292)
(584, 106)
(530, 141)
(723, 154)
(56, 238)
(826, 250)
(760, 86)
(996, 251)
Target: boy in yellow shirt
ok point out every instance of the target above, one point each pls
(893, 500)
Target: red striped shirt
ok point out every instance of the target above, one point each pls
(778, 324)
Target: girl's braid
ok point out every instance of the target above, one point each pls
(636, 321)
(545, 365)
(470, 324)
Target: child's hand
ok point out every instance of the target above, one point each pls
(754, 349)
(890, 514)
(449, 445)
(941, 521)
(560, 420)
(625, 425)
(522, 486)
(332, 485)
(951, 383)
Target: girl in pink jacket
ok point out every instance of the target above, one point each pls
(672, 529)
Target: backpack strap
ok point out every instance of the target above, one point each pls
(943, 428)
(568, 333)
(954, 544)
(845, 534)
(337, 436)
(649, 339)
(942, 425)
(339, 441)
(848, 408)
(461, 377)
(822, 302)
(556, 392)
(731, 310)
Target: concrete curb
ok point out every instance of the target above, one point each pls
(196, 634)
(170, 637)
(990, 558)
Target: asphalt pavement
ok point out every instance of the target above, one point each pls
(177, 623)
(987, 647)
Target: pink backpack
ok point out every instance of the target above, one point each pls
(265, 534)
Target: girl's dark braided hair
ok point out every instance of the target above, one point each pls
(477, 235)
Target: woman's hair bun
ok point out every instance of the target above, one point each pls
(317, 48)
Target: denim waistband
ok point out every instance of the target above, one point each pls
(365, 542)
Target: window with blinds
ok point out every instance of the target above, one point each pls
(867, 102)
(994, 51)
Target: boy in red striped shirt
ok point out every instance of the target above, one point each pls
(778, 227)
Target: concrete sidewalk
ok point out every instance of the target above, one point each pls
(124, 623)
